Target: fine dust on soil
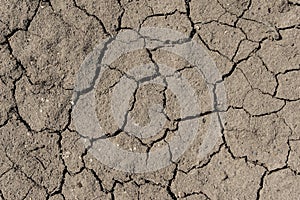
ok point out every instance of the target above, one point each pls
(255, 45)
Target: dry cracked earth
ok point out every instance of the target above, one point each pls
(255, 46)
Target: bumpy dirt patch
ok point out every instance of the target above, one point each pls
(255, 48)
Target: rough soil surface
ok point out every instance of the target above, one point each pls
(255, 46)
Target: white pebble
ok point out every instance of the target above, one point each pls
(67, 154)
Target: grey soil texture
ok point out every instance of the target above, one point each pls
(255, 46)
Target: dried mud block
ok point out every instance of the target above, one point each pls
(15, 185)
(53, 48)
(107, 11)
(274, 13)
(214, 35)
(256, 31)
(126, 191)
(220, 179)
(280, 56)
(258, 75)
(290, 113)
(36, 155)
(107, 175)
(235, 7)
(289, 85)
(135, 12)
(263, 139)
(83, 186)
(147, 191)
(43, 107)
(203, 11)
(72, 150)
(258, 103)
(15, 15)
(206, 142)
(236, 89)
(8, 65)
(294, 157)
(283, 184)
(57, 197)
(6, 101)
(245, 49)
(177, 22)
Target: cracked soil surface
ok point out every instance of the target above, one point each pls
(255, 46)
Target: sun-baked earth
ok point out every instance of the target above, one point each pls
(255, 46)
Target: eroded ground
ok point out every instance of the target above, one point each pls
(255, 45)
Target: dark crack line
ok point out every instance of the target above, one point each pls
(210, 49)
(245, 158)
(97, 73)
(158, 74)
(169, 190)
(256, 162)
(1, 195)
(237, 49)
(94, 16)
(58, 190)
(18, 168)
(27, 25)
(158, 15)
(235, 65)
(197, 193)
(188, 14)
(28, 192)
(5, 172)
(293, 3)
(288, 143)
(237, 16)
(191, 117)
(261, 185)
(98, 180)
(49, 3)
(203, 165)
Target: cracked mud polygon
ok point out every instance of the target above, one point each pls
(255, 154)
